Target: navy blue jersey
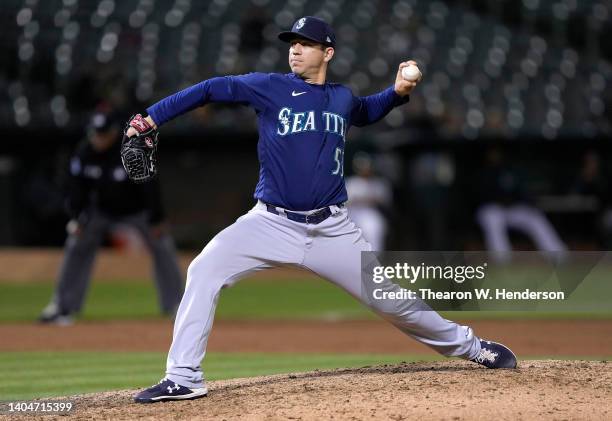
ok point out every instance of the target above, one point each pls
(302, 130)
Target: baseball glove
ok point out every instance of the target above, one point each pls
(139, 152)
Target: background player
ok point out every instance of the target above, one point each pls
(100, 197)
(505, 204)
(300, 218)
(367, 194)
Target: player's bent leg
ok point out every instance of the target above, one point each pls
(206, 276)
(336, 256)
(252, 243)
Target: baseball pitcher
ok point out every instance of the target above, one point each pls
(300, 218)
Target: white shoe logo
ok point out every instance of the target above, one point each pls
(176, 387)
(293, 93)
(486, 355)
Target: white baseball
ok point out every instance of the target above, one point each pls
(411, 73)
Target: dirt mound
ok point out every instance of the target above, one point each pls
(452, 390)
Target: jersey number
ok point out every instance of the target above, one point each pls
(339, 158)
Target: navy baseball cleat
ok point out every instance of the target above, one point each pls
(167, 390)
(495, 355)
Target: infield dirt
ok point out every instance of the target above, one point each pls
(528, 338)
(449, 390)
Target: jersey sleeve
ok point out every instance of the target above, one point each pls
(369, 109)
(249, 89)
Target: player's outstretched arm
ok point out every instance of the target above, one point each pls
(251, 89)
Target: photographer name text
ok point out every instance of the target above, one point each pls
(500, 294)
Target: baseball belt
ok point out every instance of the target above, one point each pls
(311, 218)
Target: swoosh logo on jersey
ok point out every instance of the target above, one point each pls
(293, 93)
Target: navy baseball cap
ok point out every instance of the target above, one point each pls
(311, 28)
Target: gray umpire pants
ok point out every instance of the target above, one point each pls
(79, 255)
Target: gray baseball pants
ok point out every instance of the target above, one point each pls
(261, 240)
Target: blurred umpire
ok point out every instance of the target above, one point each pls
(101, 196)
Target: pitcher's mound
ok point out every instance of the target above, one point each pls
(452, 390)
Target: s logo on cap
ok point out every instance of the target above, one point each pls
(317, 30)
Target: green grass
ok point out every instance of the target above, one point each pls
(23, 302)
(291, 299)
(250, 299)
(27, 375)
